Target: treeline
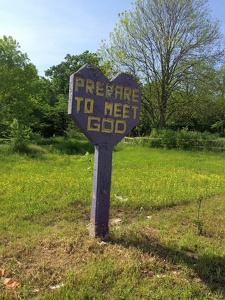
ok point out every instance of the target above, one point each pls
(180, 69)
(38, 105)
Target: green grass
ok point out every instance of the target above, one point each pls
(154, 252)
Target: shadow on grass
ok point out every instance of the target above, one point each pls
(58, 145)
(68, 146)
(210, 269)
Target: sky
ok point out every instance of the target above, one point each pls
(47, 30)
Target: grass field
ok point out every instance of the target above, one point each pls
(167, 234)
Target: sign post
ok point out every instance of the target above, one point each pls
(105, 111)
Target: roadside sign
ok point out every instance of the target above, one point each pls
(105, 111)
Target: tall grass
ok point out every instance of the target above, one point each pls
(155, 178)
(154, 250)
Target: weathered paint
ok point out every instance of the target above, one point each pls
(105, 111)
(101, 191)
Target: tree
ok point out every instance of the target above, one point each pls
(194, 104)
(219, 101)
(55, 118)
(161, 42)
(60, 74)
(18, 85)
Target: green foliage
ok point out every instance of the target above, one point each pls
(18, 79)
(188, 139)
(64, 145)
(184, 139)
(60, 74)
(54, 117)
(168, 138)
(169, 59)
(41, 103)
(72, 130)
(19, 135)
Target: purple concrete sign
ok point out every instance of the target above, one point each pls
(105, 111)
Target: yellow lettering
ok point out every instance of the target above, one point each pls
(93, 123)
(107, 125)
(135, 108)
(126, 111)
(119, 92)
(88, 105)
(135, 95)
(117, 110)
(90, 85)
(78, 99)
(79, 83)
(127, 93)
(118, 128)
(100, 88)
(108, 108)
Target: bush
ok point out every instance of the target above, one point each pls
(169, 139)
(19, 136)
(184, 139)
(187, 139)
(165, 138)
(155, 141)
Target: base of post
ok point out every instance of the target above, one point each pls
(98, 230)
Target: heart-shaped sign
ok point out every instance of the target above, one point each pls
(104, 110)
